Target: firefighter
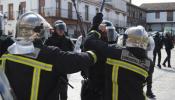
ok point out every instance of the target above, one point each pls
(125, 68)
(95, 91)
(33, 68)
(59, 39)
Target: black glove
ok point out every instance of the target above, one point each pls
(84, 75)
(97, 20)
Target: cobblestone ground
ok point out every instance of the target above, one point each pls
(163, 81)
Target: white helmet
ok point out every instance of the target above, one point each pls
(135, 37)
(30, 26)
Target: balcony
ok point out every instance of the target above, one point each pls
(53, 14)
(70, 17)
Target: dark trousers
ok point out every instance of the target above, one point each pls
(168, 51)
(149, 82)
(149, 78)
(89, 92)
(155, 52)
(63, 87)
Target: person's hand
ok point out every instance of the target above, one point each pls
(97, 20)
(84, 75)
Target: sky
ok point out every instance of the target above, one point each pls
(139, 2)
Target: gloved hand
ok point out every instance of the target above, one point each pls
(97, 20)
(84, 75)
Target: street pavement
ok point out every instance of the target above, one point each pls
(163, 81)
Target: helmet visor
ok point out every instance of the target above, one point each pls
(31, 24)
(111, 34)
(60, 26)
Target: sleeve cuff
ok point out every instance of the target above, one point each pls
(99, 35)
(93, 55)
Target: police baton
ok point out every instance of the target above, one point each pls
(65, 81)
(79, 18)
(102, 5)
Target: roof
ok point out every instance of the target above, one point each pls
(130, 4)
(107, 5)
(158, 6)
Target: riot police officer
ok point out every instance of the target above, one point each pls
(93, 86)
(59, 39)
(32, 68)
(168, 42)
(107, 28)
(125, 68)
(157, 50)
(5, 42)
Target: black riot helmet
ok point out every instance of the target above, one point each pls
(111, 34)
(60, 25)
(107, 23)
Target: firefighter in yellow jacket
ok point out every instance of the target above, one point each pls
(32, 68)
(125, 68)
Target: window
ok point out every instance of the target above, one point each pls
(1, 8)
(41, 7)
(157, 16)
(69, 10)
(86, 12)
(22, 8)
(10, 12)
(58, 8)
(140, 15)
(133, 14)
(170, 16)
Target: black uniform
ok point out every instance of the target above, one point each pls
(35, 76)
(123, 72)
(168, 46)
(5, 42)
(157, 50)
(65, 44)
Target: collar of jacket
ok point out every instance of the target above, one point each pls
(17, 48)
(58, 36)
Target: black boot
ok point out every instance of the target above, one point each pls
(150, 94)
(164, 65)
(159, 66)
(169, 66)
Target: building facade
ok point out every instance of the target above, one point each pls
(136, 15)
(160, 16)
(53, 10)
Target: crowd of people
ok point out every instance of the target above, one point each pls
(114, 67)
